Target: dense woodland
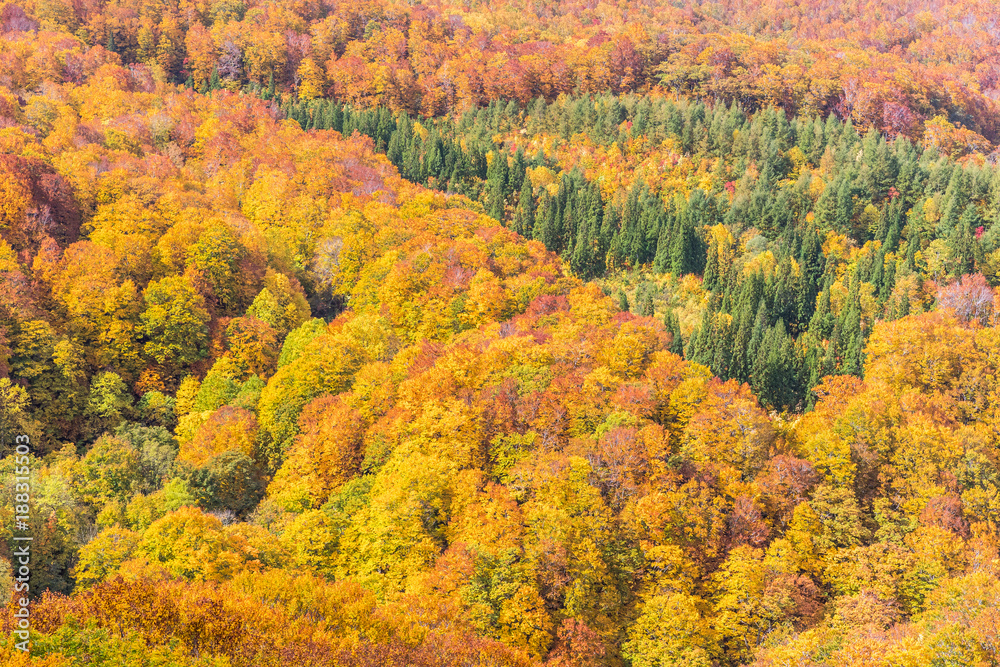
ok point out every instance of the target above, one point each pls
(509, 334)
(797, 227)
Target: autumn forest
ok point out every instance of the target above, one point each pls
(500, 333)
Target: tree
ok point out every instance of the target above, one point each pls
(524, 214)
(111, 470)
(325, 366)
(729, 429)
(191, 544)
(175, 323)
(970, 298)
(496, 185)
(202, 55)
(100, 558)
(216, 259)
(671, 630)
(254, 345)
(15, 418)
(108, 404)
(312, 80)
(227, 429)
(326, 453)
(228, 481)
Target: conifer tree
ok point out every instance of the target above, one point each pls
(673, 326)
(524, 214)
(496, 185)
(623, 302)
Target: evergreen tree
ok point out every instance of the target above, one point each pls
(623, 302)
(823, 320)
(607, 246)
(496, 185)
(709, 280)
(269, 93)
(524, 214)
(673, 326)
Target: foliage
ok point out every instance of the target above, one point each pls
(372, 344)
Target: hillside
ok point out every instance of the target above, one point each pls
(493, 335)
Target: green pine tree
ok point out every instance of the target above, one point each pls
(496, 185)
(623, 302)
(673, 326)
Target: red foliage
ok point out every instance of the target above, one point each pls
(576, 646)
(970, 298)
(52, 210)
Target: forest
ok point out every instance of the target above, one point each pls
(503, 334)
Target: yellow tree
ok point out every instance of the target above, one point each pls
(191, 544)
(312, 80)
(325, 454)
(202, 54)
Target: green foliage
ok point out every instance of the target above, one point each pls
(229, 481)
(297, 340)
(111, 470)
(220, 386)
(249, 394)
(155, 408)
(177, 495)
(175, 321)
(109, 403)
(157, 449)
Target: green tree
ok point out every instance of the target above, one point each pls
(109, 403)
(524, 214)
(175, 323)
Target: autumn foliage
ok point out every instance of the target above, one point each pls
(290, 408)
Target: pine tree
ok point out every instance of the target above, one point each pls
(580, 257)
(888, 282)
(630, 235)
(394, 151)
(852, 339)
(677, 249)
(518, 173)
(711, 266)
(702, 342)
(607, 246)
(844, 207)
(623, 302)
(673, 326)
(691, 349)
(269, 92)
(961, 244)
(826, 207)
(496, 185)
(823, 321)
(336, 121)
(954, 202)
(903, 305)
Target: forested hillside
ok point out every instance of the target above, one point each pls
(805, 231)
(507, 334)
